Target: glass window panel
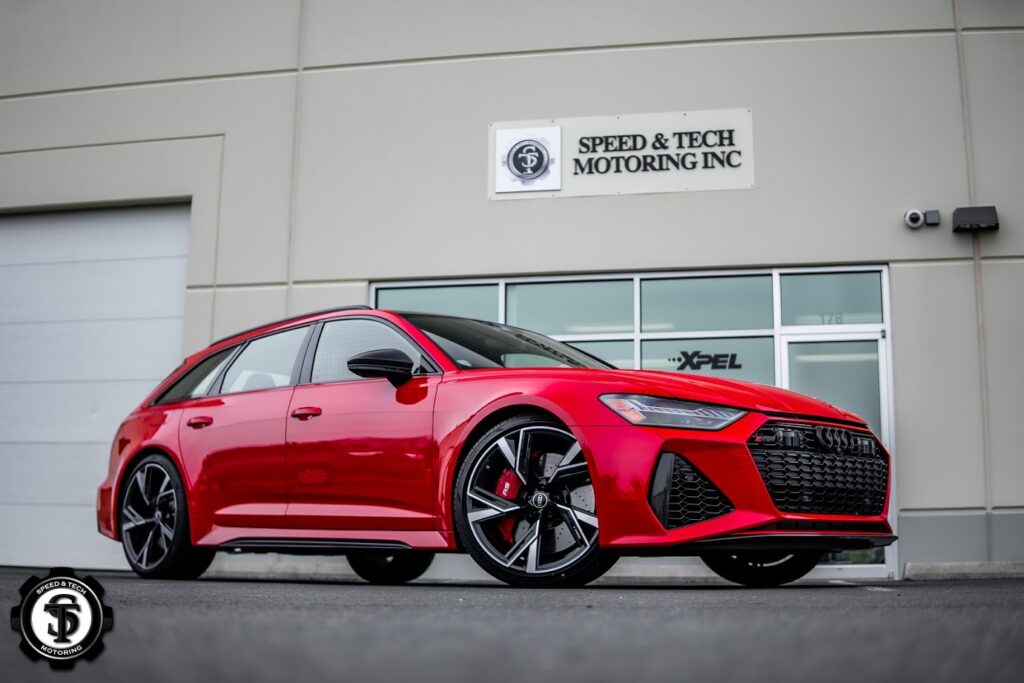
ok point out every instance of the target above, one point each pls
(831, 298)
(342, 339)
(747, 358)
(706, 303)
(265, 363)
(469, 301)
(844, 373)
(196, 381)
(594, 307)
(618, 353)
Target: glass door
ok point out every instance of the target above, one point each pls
(848, 370)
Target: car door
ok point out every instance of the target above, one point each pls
(361, 451)
(233, 439)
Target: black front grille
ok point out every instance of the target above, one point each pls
(681, 495)
(821, 469)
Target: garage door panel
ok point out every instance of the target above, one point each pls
(93, 236)
(66, 351)
(91, 319)
(94, 290)
(54, 474)
(68, 412)
(55, 536)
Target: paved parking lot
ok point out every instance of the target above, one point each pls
(215, 630)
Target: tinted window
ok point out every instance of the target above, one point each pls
(597, 307)
(265, 363)
(748, 358)
(831, 298)
(477, 344)
(342, 339)
(196, 381)
(706, 303)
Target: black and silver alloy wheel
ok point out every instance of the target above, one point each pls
(526, 509)
(762, 568)
(149, 516)
(154, 527)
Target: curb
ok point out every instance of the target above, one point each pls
(950, 571)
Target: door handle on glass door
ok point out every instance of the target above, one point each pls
(306, 413)
(199, 422)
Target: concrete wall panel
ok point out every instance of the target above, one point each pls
(350, 32)
(995, 84)
(47, 45)
(1004, 342)
(937, 387)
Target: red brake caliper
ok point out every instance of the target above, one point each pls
(508, 488)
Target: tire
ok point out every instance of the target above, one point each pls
(762, 568)
(385, 568)
(514, 534)
(154, 525)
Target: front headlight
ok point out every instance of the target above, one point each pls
(667, 412)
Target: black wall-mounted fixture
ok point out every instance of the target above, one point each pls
(975, 219)
(932, 218)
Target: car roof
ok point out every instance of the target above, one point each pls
(284, 321)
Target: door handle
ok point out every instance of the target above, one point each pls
(306, 413)
(200, 421)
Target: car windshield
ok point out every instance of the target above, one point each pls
(478, 344)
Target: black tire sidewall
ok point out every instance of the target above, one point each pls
(405, 566)
(588, 567)
(735, 569)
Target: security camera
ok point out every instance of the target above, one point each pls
(914, 218)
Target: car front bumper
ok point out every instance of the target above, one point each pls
(625, 459)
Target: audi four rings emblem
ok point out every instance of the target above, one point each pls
(528, 159)
(834, 438)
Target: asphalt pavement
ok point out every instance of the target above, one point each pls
(236, 630)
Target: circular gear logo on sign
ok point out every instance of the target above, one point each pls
(61, 618)
(526, 159)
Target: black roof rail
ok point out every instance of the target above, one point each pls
(356, 307)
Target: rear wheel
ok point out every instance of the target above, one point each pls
(524, 506)
(762, 568)
(154, 523)
(388, 568)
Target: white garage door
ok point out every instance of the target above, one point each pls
(92, 307)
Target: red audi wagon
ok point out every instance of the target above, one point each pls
(389, 437)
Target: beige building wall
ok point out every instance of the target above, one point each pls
(325, 145)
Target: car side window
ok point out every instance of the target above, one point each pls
(342, 339)
(266, 363)
(197, 381)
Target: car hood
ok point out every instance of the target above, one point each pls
(727, 392)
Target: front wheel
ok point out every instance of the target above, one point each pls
(154, 523)
(761, 568)
(524, 506)
(386, 568)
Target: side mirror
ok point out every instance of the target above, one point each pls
(391, 364)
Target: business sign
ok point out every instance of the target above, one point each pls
(630, 154)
